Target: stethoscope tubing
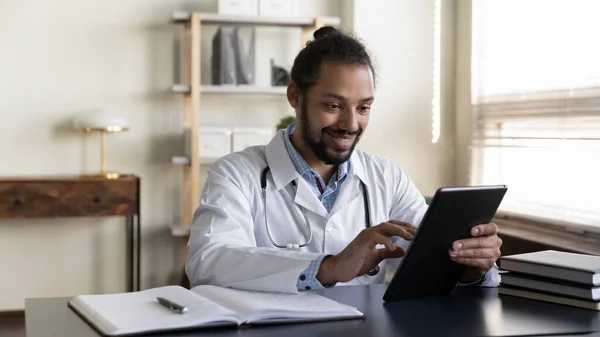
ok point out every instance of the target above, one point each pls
(263, 185)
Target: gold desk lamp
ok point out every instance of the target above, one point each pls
(102, 123)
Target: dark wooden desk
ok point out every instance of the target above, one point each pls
(466, 312)
(43, 197)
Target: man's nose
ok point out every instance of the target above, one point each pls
(348, 120)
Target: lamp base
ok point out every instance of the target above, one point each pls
(106, 175)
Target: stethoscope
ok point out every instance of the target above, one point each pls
(263, 185)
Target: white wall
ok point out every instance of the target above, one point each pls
(400, 37)
(59, 58)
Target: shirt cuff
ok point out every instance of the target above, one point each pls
(307, 280)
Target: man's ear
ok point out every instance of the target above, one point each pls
(294, 95)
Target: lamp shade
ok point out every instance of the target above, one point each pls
(101, 121)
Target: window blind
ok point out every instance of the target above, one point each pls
(536, 107)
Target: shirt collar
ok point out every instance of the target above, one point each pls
(300, 164)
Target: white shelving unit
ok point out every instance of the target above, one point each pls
(218, 19)
(192, 90)
(231, 89)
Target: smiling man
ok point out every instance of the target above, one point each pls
(309, 211)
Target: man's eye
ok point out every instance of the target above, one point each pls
(364, 109)
(333, 106)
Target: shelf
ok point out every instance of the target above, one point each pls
(180, 160)
(180, 230)
(231, 89)
(215, 18)
(183, 160)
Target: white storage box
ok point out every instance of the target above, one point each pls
(244, 137)
(280, 8)
(213, 143)
(238, 7)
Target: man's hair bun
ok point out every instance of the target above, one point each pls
(325, 31)
(329, 45)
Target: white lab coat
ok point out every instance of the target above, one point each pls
(229, 245)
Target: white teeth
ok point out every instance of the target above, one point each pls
(341, 137)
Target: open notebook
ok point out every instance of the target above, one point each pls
(207, 306)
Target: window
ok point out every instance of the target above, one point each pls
(436, 101)
(536, 107)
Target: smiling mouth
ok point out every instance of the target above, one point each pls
(340, 142)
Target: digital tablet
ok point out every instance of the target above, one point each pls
(426, 269)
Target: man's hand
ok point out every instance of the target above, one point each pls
(478, 253)
(361, 255)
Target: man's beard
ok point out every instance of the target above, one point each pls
(319, 147)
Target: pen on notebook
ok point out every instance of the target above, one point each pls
(178, 308)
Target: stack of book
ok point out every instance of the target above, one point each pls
(553, 276)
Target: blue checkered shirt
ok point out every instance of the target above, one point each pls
(307, 279)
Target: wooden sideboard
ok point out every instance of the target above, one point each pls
(78, 196)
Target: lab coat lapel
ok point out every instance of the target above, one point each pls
(278, 159)
(305, 197)
(284, 172)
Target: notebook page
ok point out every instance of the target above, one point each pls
(140, 311)
(262, 305)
